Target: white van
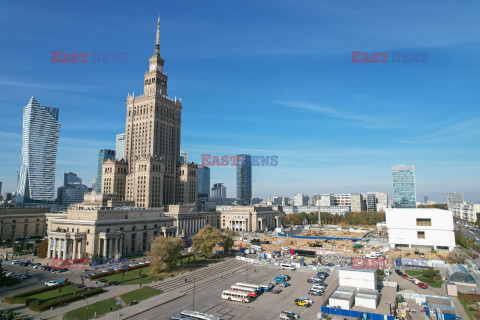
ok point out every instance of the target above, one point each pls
(287, 266)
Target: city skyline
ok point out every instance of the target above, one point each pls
(346, 136)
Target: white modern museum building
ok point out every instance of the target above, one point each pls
(420, 228)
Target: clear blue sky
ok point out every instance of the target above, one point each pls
(260, 77)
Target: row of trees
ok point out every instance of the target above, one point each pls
(165, 252)
(349, 218)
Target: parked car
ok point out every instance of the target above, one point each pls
(51, 283)
(288, 315)
(102, 280)
(284, 284)
(314, 280)
(15, 262)
(62, 270)
(307, 299)
(317, 287)
(315, 292)
(276, 290)
(287, 277)
(422, 285)
(323, 273)
(398, 272)
(302, 303)
(405, 276)
(48, 268)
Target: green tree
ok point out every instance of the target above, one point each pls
(227, 240)
(165, 252)
(206, 239)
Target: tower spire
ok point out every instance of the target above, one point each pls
(157, 42)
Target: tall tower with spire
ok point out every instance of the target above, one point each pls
(152, 139)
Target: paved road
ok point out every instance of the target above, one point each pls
(207, 296)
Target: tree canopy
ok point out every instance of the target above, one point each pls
(165, 252)
(206, 239)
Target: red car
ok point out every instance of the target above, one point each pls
(405, 276)
(422, 285)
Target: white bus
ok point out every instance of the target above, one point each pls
(250, 285)
(251, 292)
(236, 296)
(199, 315)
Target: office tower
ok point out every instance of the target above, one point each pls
(72, 191)
(187, 188)
(219, 191)
(183, 157)
(300, 200)
(103, 155)
(357, 203)
(454, 199)
(371, 201)
(70, 178)
(152, 138)
(404, 194)
(381, 201)
(39, 153)
(342, 199)
(203, 182)
(120, 147)
(0, 188)
(244, 179)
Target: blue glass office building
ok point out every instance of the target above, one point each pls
(404, 194)
(203, 182)
(244, 179)
(103, 155)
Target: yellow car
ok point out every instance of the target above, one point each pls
(302, 303)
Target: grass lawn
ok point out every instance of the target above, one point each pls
(430, 282)
(53, 294)
(413, 272)
(139, 294)
(100, 308)
(198, 259)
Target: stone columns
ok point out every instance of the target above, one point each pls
(104, 247)
(65, 247)
(110, 249)
(49, 249)
(117, 247)
(55, 249)
(74, 253)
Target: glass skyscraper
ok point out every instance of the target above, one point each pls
(103, 155)
(244, 179)
(203, 182)
(36, 180)
(120, 147)
(404, 194)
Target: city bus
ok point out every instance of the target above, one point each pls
(251, 292)
(198, 315)
(236, 296)
(249, 285)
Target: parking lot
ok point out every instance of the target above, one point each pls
(266, 306)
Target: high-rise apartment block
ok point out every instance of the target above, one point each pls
(41, 129)
(104, 154)
(300, 199)
(454, 199)
(381, 201)
(357, 203)
(203, 182)
(404, 194)
(120, 147)
(155, 176)
(244, 179)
